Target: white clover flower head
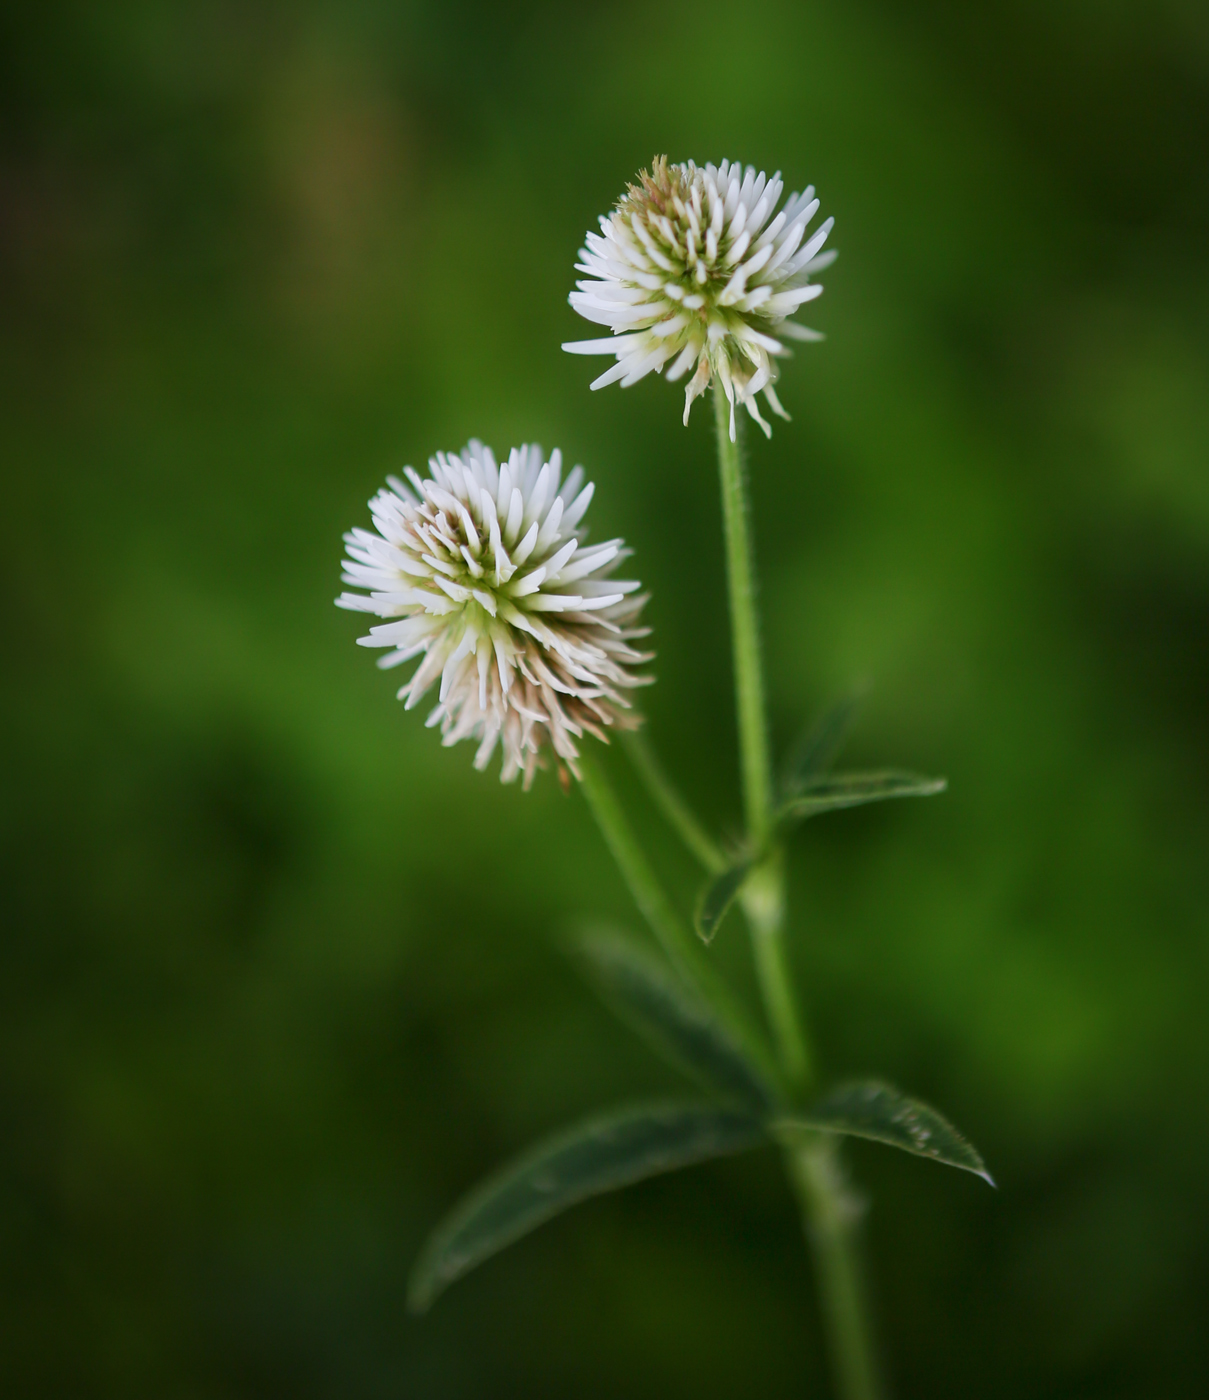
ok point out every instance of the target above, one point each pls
(485, 571)
(689, 269)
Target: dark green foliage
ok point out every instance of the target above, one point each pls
(855, 790)
(606, 1152)
(880, 1113)
(717, 897)
(275, 974)
(644, 991)
(819, 746)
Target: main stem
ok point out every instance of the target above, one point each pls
(813, 1168)
(763, 896)
(745, 630)
(828, 1215)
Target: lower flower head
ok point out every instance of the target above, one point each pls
(486, 575)
(689, 269)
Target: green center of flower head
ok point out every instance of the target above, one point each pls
(671, 216)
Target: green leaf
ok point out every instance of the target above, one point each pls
(718, 896)
(854, 790)
(879, 1112)
(678, 1023)
(599, 1155)
(819, 746)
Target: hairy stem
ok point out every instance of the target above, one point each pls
(745, 629)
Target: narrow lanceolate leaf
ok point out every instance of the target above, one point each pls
(814, 753)
(854, 790)
(647, 994)
(599, 1155)
(879, 1112)
(718, 896)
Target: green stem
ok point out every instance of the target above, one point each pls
(813, 1167)
(763, 900)
(829, 1216)
(669, 801)
(643, 883)
(745, 629)
(677, 940)
(764, 894)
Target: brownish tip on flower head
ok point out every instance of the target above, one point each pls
(693, 270)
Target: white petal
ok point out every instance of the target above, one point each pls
(616, 345)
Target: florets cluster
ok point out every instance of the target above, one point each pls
(688, 269)
(485, 571)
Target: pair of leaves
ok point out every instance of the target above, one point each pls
(613, 1150)
(808, 789)
(645, 1140)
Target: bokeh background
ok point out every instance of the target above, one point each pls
(280, 978)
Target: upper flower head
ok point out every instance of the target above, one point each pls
(487, 571)
(687, 268)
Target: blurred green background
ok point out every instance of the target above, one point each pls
(280, 977)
